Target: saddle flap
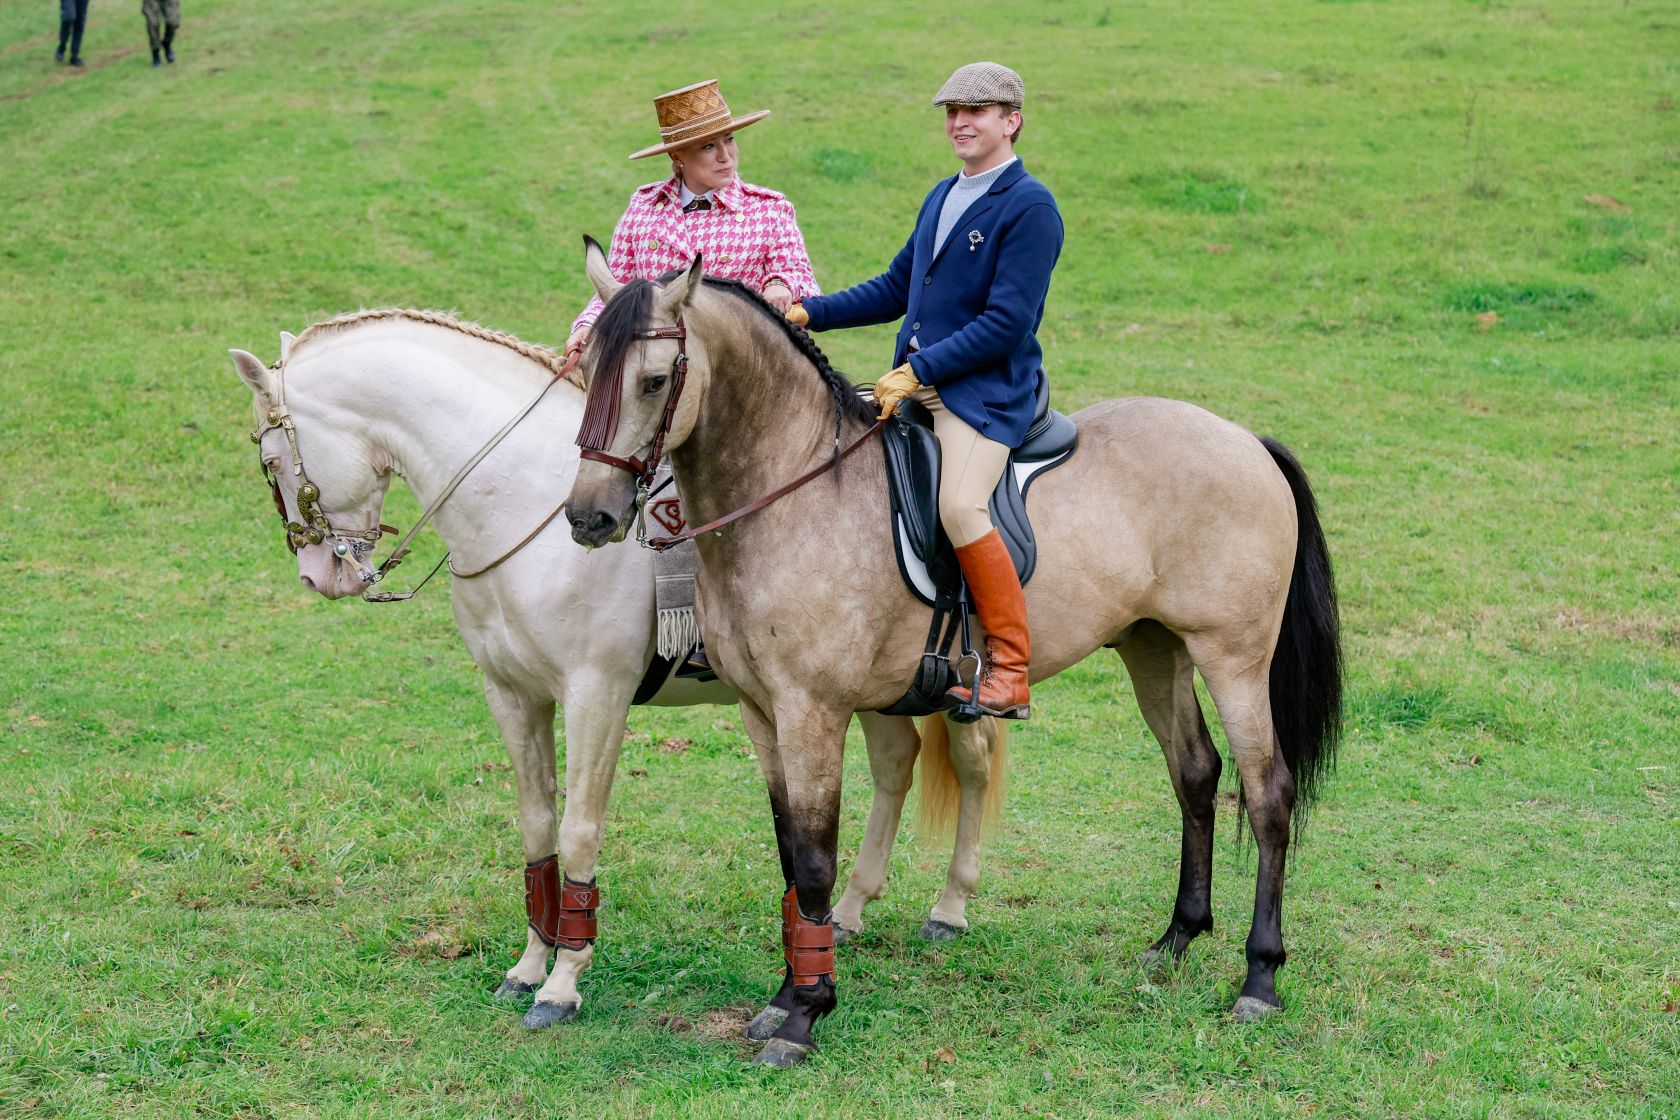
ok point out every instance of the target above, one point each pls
(913, 482)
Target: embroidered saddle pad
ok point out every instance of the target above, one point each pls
(926, 559)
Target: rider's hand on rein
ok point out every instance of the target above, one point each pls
(894, 387)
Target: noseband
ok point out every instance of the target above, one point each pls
(644, 470)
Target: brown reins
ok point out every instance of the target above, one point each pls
(660, 544)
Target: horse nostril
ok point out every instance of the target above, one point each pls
(309, 583)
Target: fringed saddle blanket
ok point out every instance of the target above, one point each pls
(673, 577)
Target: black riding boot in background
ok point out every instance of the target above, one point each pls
(169, 41)
(64, 26)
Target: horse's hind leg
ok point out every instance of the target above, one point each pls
(1239, 687)
(1163, 678)
(893, 744)
(527, 727)
(972, 749)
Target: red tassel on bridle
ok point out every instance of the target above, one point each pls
(600, 410)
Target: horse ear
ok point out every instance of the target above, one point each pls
(595, 267)
(286, 340)
(252, 371)
(680, 291)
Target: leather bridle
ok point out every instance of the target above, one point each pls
(314, 527)
(357, 544)
(644, 470)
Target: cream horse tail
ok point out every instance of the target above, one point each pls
(941, 789)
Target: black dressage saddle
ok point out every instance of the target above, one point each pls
(926, 559)
(925, 556)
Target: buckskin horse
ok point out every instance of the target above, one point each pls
(1180, 540)
(362, 397)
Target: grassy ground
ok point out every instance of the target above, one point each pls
(257, 854)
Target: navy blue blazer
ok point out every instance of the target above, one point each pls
(974, 306)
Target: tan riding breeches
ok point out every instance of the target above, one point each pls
(971, 467)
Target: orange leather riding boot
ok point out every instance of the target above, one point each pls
(997, 596)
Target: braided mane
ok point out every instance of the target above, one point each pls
(846, 399)
(542, 355)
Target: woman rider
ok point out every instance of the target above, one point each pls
(742, 232)
(970, 286)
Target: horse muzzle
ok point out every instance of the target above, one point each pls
(327, 574)
(593, 527)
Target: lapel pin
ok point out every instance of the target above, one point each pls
(974, 239)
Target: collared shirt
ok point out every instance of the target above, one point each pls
(689, 196)
(750, 234)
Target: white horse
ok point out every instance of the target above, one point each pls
(417, 394)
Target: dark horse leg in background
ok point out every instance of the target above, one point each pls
(1163, 678)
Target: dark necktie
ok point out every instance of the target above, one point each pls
(701, 203)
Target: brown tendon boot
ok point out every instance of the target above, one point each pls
(996, 592)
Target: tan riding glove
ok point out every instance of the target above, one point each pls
(894, 387)
(796, 315)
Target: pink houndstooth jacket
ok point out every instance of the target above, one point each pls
(750, 234)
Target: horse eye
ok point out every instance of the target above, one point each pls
(653, 385)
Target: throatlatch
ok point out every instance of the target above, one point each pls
(561, 911)
(807, 945)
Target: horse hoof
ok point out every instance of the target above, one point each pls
(1251, 1010)
(843, 934)
(547, 1015)
(779, 1053)
(935, 930)
(1157, 960)
(513, 989)
(765, 1024)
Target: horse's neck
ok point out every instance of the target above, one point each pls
(767, 417)
(425, 403)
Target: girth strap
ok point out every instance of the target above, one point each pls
(807, 945)
(560, 910)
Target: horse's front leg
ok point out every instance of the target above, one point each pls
(597, 704)
(810, 742)
(527, 726)
(763, 735)
(893, 745)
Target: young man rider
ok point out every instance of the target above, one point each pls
(970, 285)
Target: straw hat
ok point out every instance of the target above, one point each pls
(692, 114)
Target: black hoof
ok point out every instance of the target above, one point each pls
(547, 1015)
(935, 930)
(1251, 1010)
(765, 1024)
(513, 989)
(779, 1053)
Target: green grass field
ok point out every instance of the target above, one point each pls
(257, 850)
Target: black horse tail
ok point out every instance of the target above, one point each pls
(1306, 681)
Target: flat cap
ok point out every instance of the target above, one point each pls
(982, 83)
